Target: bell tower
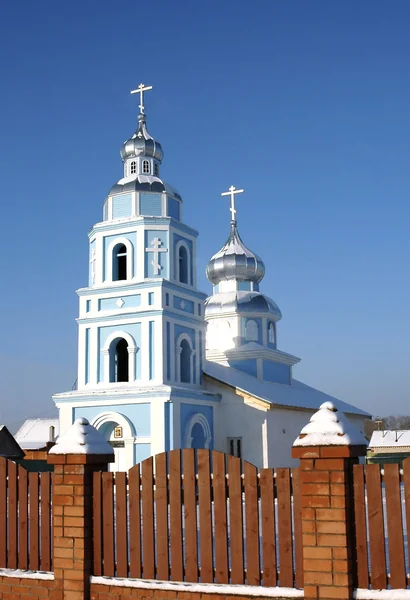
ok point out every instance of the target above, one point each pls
(141, 317)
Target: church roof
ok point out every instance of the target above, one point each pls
(296, 395)
(143, 183)
(35, 433)
(388, 439)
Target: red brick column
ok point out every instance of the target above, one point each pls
(328, 520)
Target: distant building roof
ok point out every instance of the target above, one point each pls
(298, 395)
(390, 439)
(9, 448)
(35, 433)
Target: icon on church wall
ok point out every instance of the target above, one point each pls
(118, 432)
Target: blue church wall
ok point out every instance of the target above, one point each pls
(169, 425)
(178, 238)
(247, 366)
(141, 452)
(134, 329)
(138, 414)
(173, 209)
(187, 306)
(276, 372)
(111, 303)
(90, 271)
(187, 411)
(122, 206)
(107, 241)
(151, 204)
(163, 257)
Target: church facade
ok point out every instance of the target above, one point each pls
(160, 365)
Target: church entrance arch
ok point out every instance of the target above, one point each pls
(119, 432)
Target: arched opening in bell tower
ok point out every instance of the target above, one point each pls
(119, 263)
(185, 362)
(119, 370)
(183, 264)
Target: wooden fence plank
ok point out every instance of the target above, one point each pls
(45, 521)
(284, 528)
(34, 508)
(147, 495)
(12, 515)
(121, 524)
(268, 527)
(161, 508)
(108, 524)
(3, 512)
(378, 573)
(236, 520)
(220, 525)
(97, 524)
(190, 523)
(205, 517)
(360, 527)
(175, 505)
(22, 518)
(297, 527)
(394, 526)
(406, 484)
(135, 521)
(252, 524)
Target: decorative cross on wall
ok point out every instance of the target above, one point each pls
(156, 243)
(140, 90)
(232, 191)
(92, 263)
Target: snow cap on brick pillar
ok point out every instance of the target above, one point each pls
(81, 438)
(328, 428)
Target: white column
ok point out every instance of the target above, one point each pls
(81, 357)
(159, 350)
(265, 447)
(140, 253)
(93, 369)
(172, 351)
(131, 364)
(145, 354)
(65, 416)
(99, 265)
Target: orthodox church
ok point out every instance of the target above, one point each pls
(162, 366)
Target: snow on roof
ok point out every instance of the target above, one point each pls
(81, 438)
(389, 438)
(329, 427)
(298, 394)
(35, 433)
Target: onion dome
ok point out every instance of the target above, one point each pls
(235, 261)
(142, 143)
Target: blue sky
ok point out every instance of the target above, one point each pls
(303, 104)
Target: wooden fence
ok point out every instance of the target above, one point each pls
(25, 518)
(382, 522)
(199, 516)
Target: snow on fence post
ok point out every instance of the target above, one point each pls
(78, 453)
(328, 447)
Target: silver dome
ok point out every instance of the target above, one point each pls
(235, 261)
(143, 183)
(241, 302)
(142, 143)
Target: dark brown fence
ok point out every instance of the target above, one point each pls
(382, 515)
(199, 516)
(25, 518)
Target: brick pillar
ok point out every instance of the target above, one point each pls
(330, 570)
(72, 504)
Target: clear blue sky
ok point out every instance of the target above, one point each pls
(303, 104)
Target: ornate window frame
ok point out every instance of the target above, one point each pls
(185, 336)
(197, 419)
(251, 329)
(110, 259)
(177, 270)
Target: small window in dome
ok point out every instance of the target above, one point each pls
(133, 167)
(156, 170)
(271, 333)
(251, 331)
(145, 167)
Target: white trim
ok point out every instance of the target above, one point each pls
(185, 336)
(132, 349)
(130, 258)
(178, 245)
(197, 419)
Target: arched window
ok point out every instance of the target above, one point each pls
(119, 360)
(271, 333)
(185, 362)
(119, 263)
(133, 167)
(183, 264)
(145, 167)
(156, 169)
(198, 436)
(252, 334)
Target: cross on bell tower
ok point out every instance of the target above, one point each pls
(140, 90)
(231, 192)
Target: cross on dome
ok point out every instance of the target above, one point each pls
(140, 90)
(231, 192)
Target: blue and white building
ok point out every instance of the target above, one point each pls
(160, 366)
